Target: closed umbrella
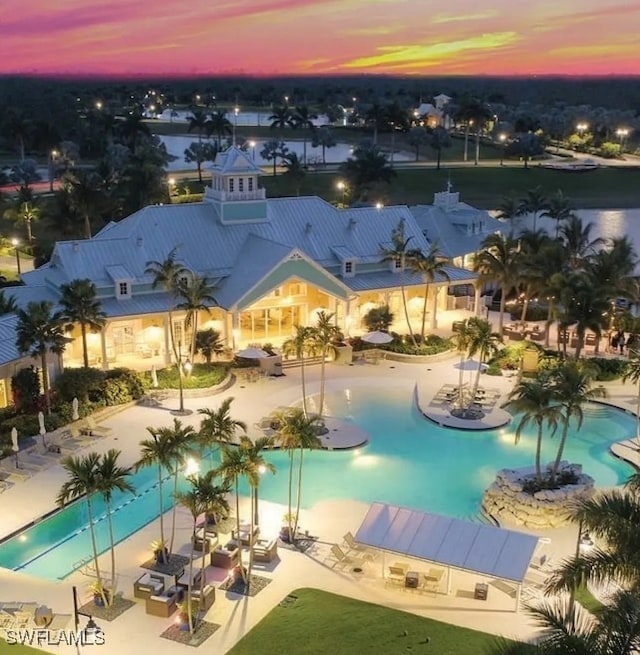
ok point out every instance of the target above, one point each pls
(14, 444)
(377, 337)
(43, 428)
(154, 377)
(252, 353)
(74, 407)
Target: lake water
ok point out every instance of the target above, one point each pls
(176, 145)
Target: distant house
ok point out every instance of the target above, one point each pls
(434, 115)
(273, 264)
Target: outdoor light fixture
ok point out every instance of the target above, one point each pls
(192, 467)
(15, 243)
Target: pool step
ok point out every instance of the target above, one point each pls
(595, 410)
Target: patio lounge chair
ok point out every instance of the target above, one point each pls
(396, 574)
(92, 429)
(352, 545)
(340, 558)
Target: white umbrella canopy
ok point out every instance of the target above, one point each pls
(378, 337)
(14, 440)
(154, 377)
(471, 365)
(252, 353)
(74, 408)
(43, 428)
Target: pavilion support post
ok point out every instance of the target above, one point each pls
(448, 581)
(518, 592)
(103, 348)
(167, 341)
(433, 318)
(477, 307)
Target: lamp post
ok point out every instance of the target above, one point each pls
(622, 133)
(252, 145)
(236, 111)
(90, 628)
(15, 243)
(53, 155)
(582, 128)
(256, 514)
(502, 137)
(342, 187)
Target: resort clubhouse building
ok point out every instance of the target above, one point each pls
(273, 264)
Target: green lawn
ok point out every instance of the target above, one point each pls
(319, 622)
(605, 188)
(202, 376)
(585, 598)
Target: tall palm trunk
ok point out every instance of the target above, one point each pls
(87, 226)
(45, 381)
(299, 494)
(539, 452)
(85, 354)
(304, 150)
(194, 332)
(477, 159)
(322, 380)
(550, 312)
(29, 231)
(251, 524)
(304, 383)
(163, 557)
(290, 514)
(203, 566)
(638, 415)
(424, 310)
(477, 382)
(563, 440)
(461, 377)
(173, 512)
(190, 588)
(466, 142)
(503, 299)
(112, 548)
(406, 316)
(94, 545)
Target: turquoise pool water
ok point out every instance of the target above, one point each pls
(408, 461)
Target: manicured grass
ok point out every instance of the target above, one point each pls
(202, 376)
(318, 622)
(606, 188)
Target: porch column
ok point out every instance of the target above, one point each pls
(167, 341)
(235, 330)
(347, 318)
(433, 320)
(103, 348)
(477, 299)
(226, 333)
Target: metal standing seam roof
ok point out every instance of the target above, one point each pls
(391, 280)
(8, 350)
(449, 541)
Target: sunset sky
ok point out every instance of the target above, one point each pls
(337, 37)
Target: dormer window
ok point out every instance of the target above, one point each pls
(348, 268)
(123, 289)
(397, 264)
(184, 280)
(231, 185)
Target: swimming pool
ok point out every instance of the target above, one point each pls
(409, 461)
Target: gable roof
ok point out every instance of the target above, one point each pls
(234, 160)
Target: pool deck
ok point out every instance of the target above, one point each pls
(329, 520)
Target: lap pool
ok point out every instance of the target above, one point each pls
(409, 461)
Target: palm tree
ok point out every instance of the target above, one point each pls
(232, 468)
(218, 426)
(532, 399)
(366, 168)
(534, 202)
(482, 342)
(294, 170)
(24, 213)
(83, 483)
(80, 304)
(571, 385)
(498, 262)
(39, 331)
(219, 125)
(558, 209)
(399, 256)
(440, 139)
(132, 127)
(167, 274)
(198, 122)
(417, 137)
(325, 332)
(632, 372)
(611, 518)
(256, 464)
(300, 345)
(85, 195)
(324, 138)
(430, 265)
(111, 477)
(281, 117)
(376, 116)
(508, 209)
(197, 296)
(302, 119)
(193, 501)
(614, 629)
(578, 242)
(297, 431)
(166, 450)
(271, 150)
(208, 343)
(7, 304)
(462, 339)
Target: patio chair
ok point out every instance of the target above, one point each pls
(92, 429)
(340, 558)
(396, 574)
(352, 545)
